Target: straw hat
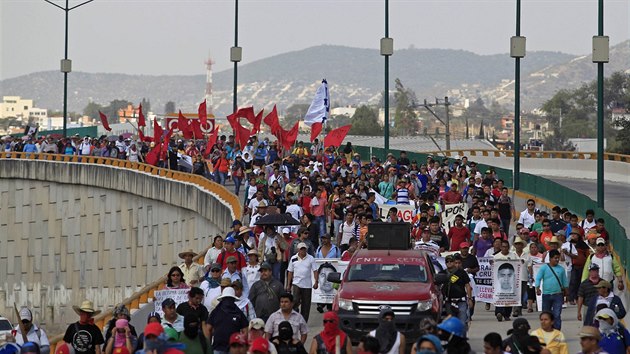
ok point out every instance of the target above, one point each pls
(554, 239)
(86, 306)
(187, 252)
(244, 230)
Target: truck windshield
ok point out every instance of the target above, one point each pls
(411, 273)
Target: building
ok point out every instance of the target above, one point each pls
(15, 106)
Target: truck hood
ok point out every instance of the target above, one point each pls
(385, 291)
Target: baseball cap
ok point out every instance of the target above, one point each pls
(168, 302)
(229, 239)
(302, 245)
(231, 259)
(589, 332)
(464, 245)
(260, 345)
(286, 230)
(25, 314)
(153, 328)
(236, 222)
(265, 265)
(215, 266)
(593, 266)
(600, 241)
(256, 323)
(238, 338)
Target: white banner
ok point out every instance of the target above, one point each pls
(326, 290)
(450, 212)
(483, 281)
(507, 289)
(535, 269)
(178, 295)
(405, 212)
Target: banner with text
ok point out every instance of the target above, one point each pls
(326, 290)
(483, 281)
(405, 212)
(178, 295)
(507, 284)
(450, 212)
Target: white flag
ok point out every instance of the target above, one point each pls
(318, 111)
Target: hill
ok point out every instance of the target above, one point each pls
(355, 76)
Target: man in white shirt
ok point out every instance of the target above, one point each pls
(485, 216)
(253, 204)
(527, 216)
(295, 211)
(33, 332)
(299, 281)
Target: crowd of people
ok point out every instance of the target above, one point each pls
(253, 291)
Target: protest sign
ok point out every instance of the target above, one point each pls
(450, 212)
(484, 281)
(507, 286)
(178, 295)
(326, 290)
(535, 269)
(405, 212)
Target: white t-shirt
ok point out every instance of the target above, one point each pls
(526, 218)
(302, 269)
(480, 225)
(347, 232)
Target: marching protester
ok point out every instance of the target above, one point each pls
(33, 334)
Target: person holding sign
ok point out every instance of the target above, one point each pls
(505, 279)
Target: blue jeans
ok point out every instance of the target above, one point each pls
(553, 304)
(463, 312)
(321, 221)
(237, 184)
(220, 177)
(275, 269)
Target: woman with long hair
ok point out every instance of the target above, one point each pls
(175, 279)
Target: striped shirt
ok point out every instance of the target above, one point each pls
(402, 196)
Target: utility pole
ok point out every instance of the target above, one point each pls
(601, 54)
(236, 55)
(387, 49)
(446, 121)
(517, 51)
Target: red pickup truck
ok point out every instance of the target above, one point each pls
(401, 279)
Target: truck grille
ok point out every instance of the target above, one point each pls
(400, 308)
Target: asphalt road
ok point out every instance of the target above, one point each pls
(616, 195)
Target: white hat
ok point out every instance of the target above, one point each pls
(227, 292)
(302, 245)
(257, 323)
(25, 314)
(600, 240)
(286, 230)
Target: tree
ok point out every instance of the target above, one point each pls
(91, 110)
(169, 107)
(623, 137)
(294, 113)
(111, 110)
(365, 122)
(405, 117)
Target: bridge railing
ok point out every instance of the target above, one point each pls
(202, 182)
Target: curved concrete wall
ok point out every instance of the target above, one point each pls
(70, 231)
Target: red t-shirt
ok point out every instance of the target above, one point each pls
(458, 235)
(223, 257)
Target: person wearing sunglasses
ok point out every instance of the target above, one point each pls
(527, 216)
(34, 333)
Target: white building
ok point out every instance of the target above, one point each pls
(15, 106)
(343, 111)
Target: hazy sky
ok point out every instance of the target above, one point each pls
(176, 36)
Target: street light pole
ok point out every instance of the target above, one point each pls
(387, 49)
(66, 64)
(517, 51)
(600, 56)
(236, 54)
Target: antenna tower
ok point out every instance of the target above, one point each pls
(208, 95)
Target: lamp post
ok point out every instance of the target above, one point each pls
(517, 51)
(601, 55)
(387, 49)
(66, 64)
(236, 55)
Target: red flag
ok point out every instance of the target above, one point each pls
(203, 112)
(335, 137)
(157, 131)
(212, 140)
(144, 138)
(274, 123)
(104, 121)
(153, 156)
(316, 128)
(247, 113)
(183, 126)
(257, 120)
(241, 134)
(291, 136)
(141, 121)
(195, 127)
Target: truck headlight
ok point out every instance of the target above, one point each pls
(425, 305)
(345, 304)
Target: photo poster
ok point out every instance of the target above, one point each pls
(535, 269)
(450, 212)
(326, 291)
(507, 284)
(405, 212)
(484, 280)
(178, 295)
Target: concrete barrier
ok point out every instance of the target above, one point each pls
(71, 231)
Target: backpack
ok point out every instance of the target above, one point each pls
(222, 256)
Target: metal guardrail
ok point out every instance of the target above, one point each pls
(531, 154)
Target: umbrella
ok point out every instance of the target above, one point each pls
(277, 220)
(112, 138)
(127, 135)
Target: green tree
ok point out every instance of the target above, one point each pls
(337, 121)
(169, 107)
(365, 122)
(623, 137)
(405, 117)
(111, 110)
(294, 113)
(92, 109)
